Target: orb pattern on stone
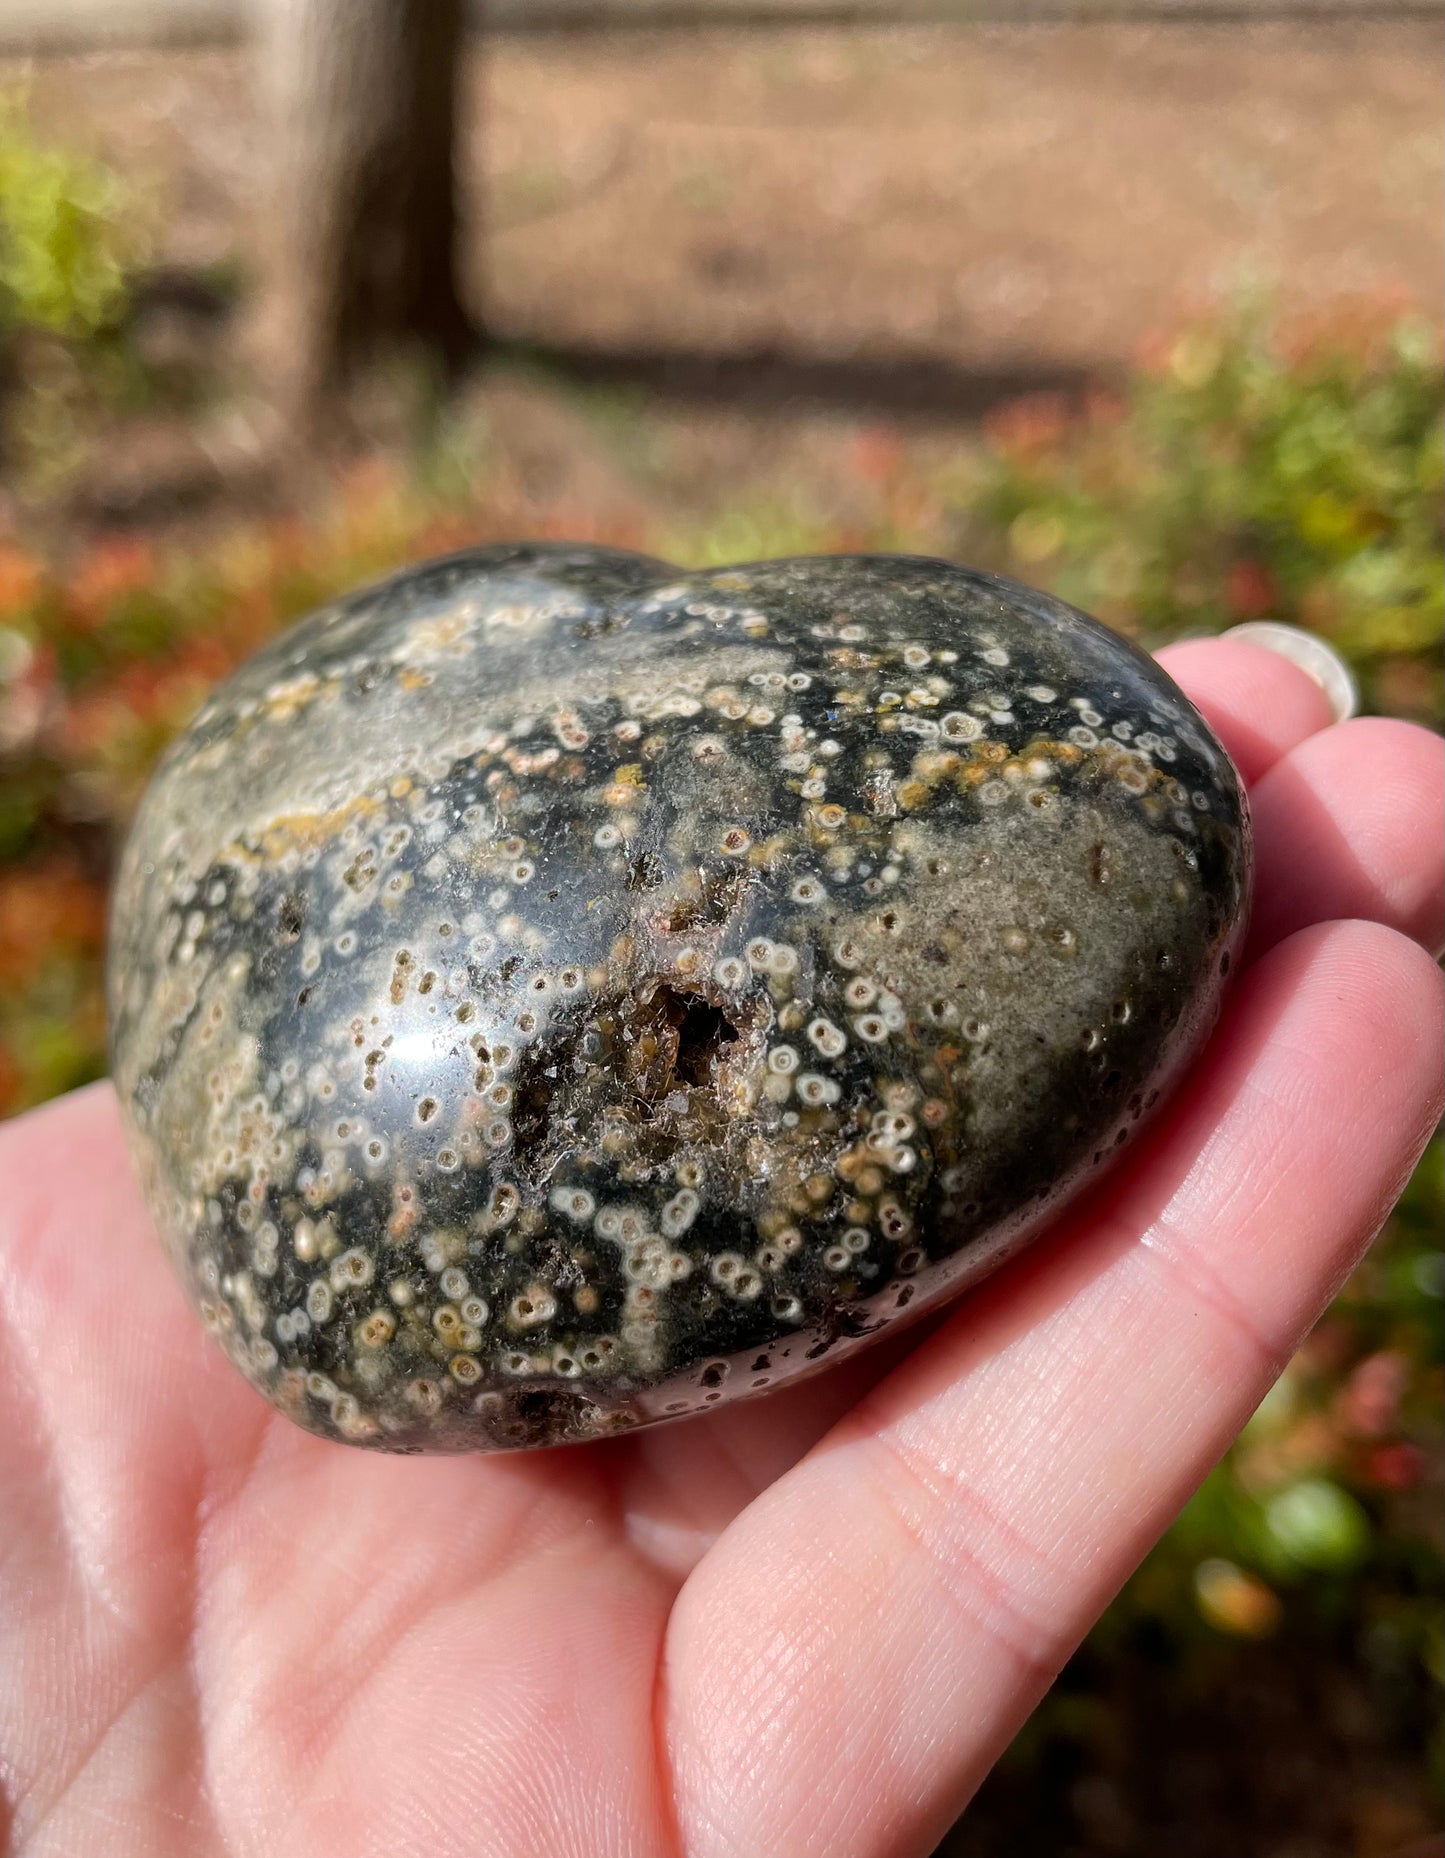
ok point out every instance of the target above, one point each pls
(552, 992)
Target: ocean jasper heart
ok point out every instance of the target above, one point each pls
(551, 992)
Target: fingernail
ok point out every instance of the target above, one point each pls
(1316, 659)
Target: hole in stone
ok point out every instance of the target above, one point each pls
(540, 1416)
(537, 1084)
(639, 1069)
(703, 1033)
(291, 915)
(644, 870)
(705, 899)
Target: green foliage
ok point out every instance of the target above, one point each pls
(66, 241)
(1241, 476)
(72, 237)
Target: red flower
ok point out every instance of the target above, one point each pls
(1250, 590)
(1368, 1402)
(1398, 1466)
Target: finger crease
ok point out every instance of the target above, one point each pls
(1002, 1619)
(1204, 1285)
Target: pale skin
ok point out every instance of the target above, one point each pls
(802, 1627)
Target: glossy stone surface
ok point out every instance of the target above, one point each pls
(551, 992)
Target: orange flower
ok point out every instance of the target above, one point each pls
(1356, 327)
(205, 658)
(290, 545)
(20, 579)
(370, 480)
(85, 724)
(115, 566)
(168, 692)
(1151, 353)
(1030, 426)
(878, 454)
(44, 907)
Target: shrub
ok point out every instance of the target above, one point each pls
(66, 240)
(1245, 474)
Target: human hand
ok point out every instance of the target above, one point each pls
(800, 1626)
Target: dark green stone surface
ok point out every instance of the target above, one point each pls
(551, 992)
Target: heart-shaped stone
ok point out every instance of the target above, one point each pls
(551, 992)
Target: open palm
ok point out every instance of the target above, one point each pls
(801, 1626)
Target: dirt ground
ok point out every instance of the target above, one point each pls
(999, 200)
(766, 240)
(994, 199)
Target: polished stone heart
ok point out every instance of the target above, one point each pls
(551, 992)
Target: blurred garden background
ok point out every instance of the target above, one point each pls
(1147, 313)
